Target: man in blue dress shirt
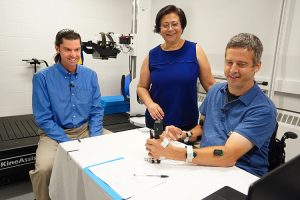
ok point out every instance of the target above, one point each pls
(66, 106)
(237, 118)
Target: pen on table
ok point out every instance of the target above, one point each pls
(79, 140)
(73, 150)
(153, 175)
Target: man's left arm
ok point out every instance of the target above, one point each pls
(97, 111)
(254, 130)
(222, 156)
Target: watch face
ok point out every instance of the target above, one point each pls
(189, 133)
(201, 122)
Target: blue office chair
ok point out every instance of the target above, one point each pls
(276, 148)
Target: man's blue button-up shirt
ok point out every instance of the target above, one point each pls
(62, 100)
(252, 115)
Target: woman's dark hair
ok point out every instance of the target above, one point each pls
(68, 34)
(167, 10)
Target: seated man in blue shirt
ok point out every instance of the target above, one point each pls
(66, 106)
(237, 118)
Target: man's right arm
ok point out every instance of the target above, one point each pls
(42, 112)
(235, 147)
(176, 134)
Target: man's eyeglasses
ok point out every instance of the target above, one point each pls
(173, 25)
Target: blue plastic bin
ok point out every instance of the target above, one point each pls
(114, 104)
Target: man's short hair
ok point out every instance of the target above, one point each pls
(247, 41)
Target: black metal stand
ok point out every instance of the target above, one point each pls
(35, 62)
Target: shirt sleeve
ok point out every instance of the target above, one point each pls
(258, 125)
(42, 110)
(96, 114)
(210, 96)
(204, 104)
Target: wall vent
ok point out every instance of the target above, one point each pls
(289, 121)
(287, 117)
(201, 97)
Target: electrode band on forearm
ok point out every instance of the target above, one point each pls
(189, 153)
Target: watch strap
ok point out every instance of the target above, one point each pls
(188, 135)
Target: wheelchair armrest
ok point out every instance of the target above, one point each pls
(288, 135)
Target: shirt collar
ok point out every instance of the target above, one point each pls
(64, 72)
(247, 97)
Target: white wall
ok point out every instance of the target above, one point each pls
(28, 30)
(287, 88)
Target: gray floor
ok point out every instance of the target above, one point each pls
(21, 190)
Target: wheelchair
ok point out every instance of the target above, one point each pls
(276, 155)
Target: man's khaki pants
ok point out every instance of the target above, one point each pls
(45, 154)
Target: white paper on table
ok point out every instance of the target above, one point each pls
(121, 176)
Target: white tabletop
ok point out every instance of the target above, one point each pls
(70, 180)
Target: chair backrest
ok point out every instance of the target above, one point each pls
(276, 155)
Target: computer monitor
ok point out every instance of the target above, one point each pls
(283, 183)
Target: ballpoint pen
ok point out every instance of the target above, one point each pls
(153, 175)
(73, 150)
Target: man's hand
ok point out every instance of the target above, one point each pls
(154, 148)
(172, 133)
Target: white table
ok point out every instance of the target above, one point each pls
(70, 179)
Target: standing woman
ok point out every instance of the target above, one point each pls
(168, 79)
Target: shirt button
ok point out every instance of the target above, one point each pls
(65, 77)
(74, 116)
(73, 105)
(72, 94)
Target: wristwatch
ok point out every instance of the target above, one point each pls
(201, 122)
(188, 135)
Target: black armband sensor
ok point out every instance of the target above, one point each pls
(218, 152)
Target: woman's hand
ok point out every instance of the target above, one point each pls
(155, 111)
